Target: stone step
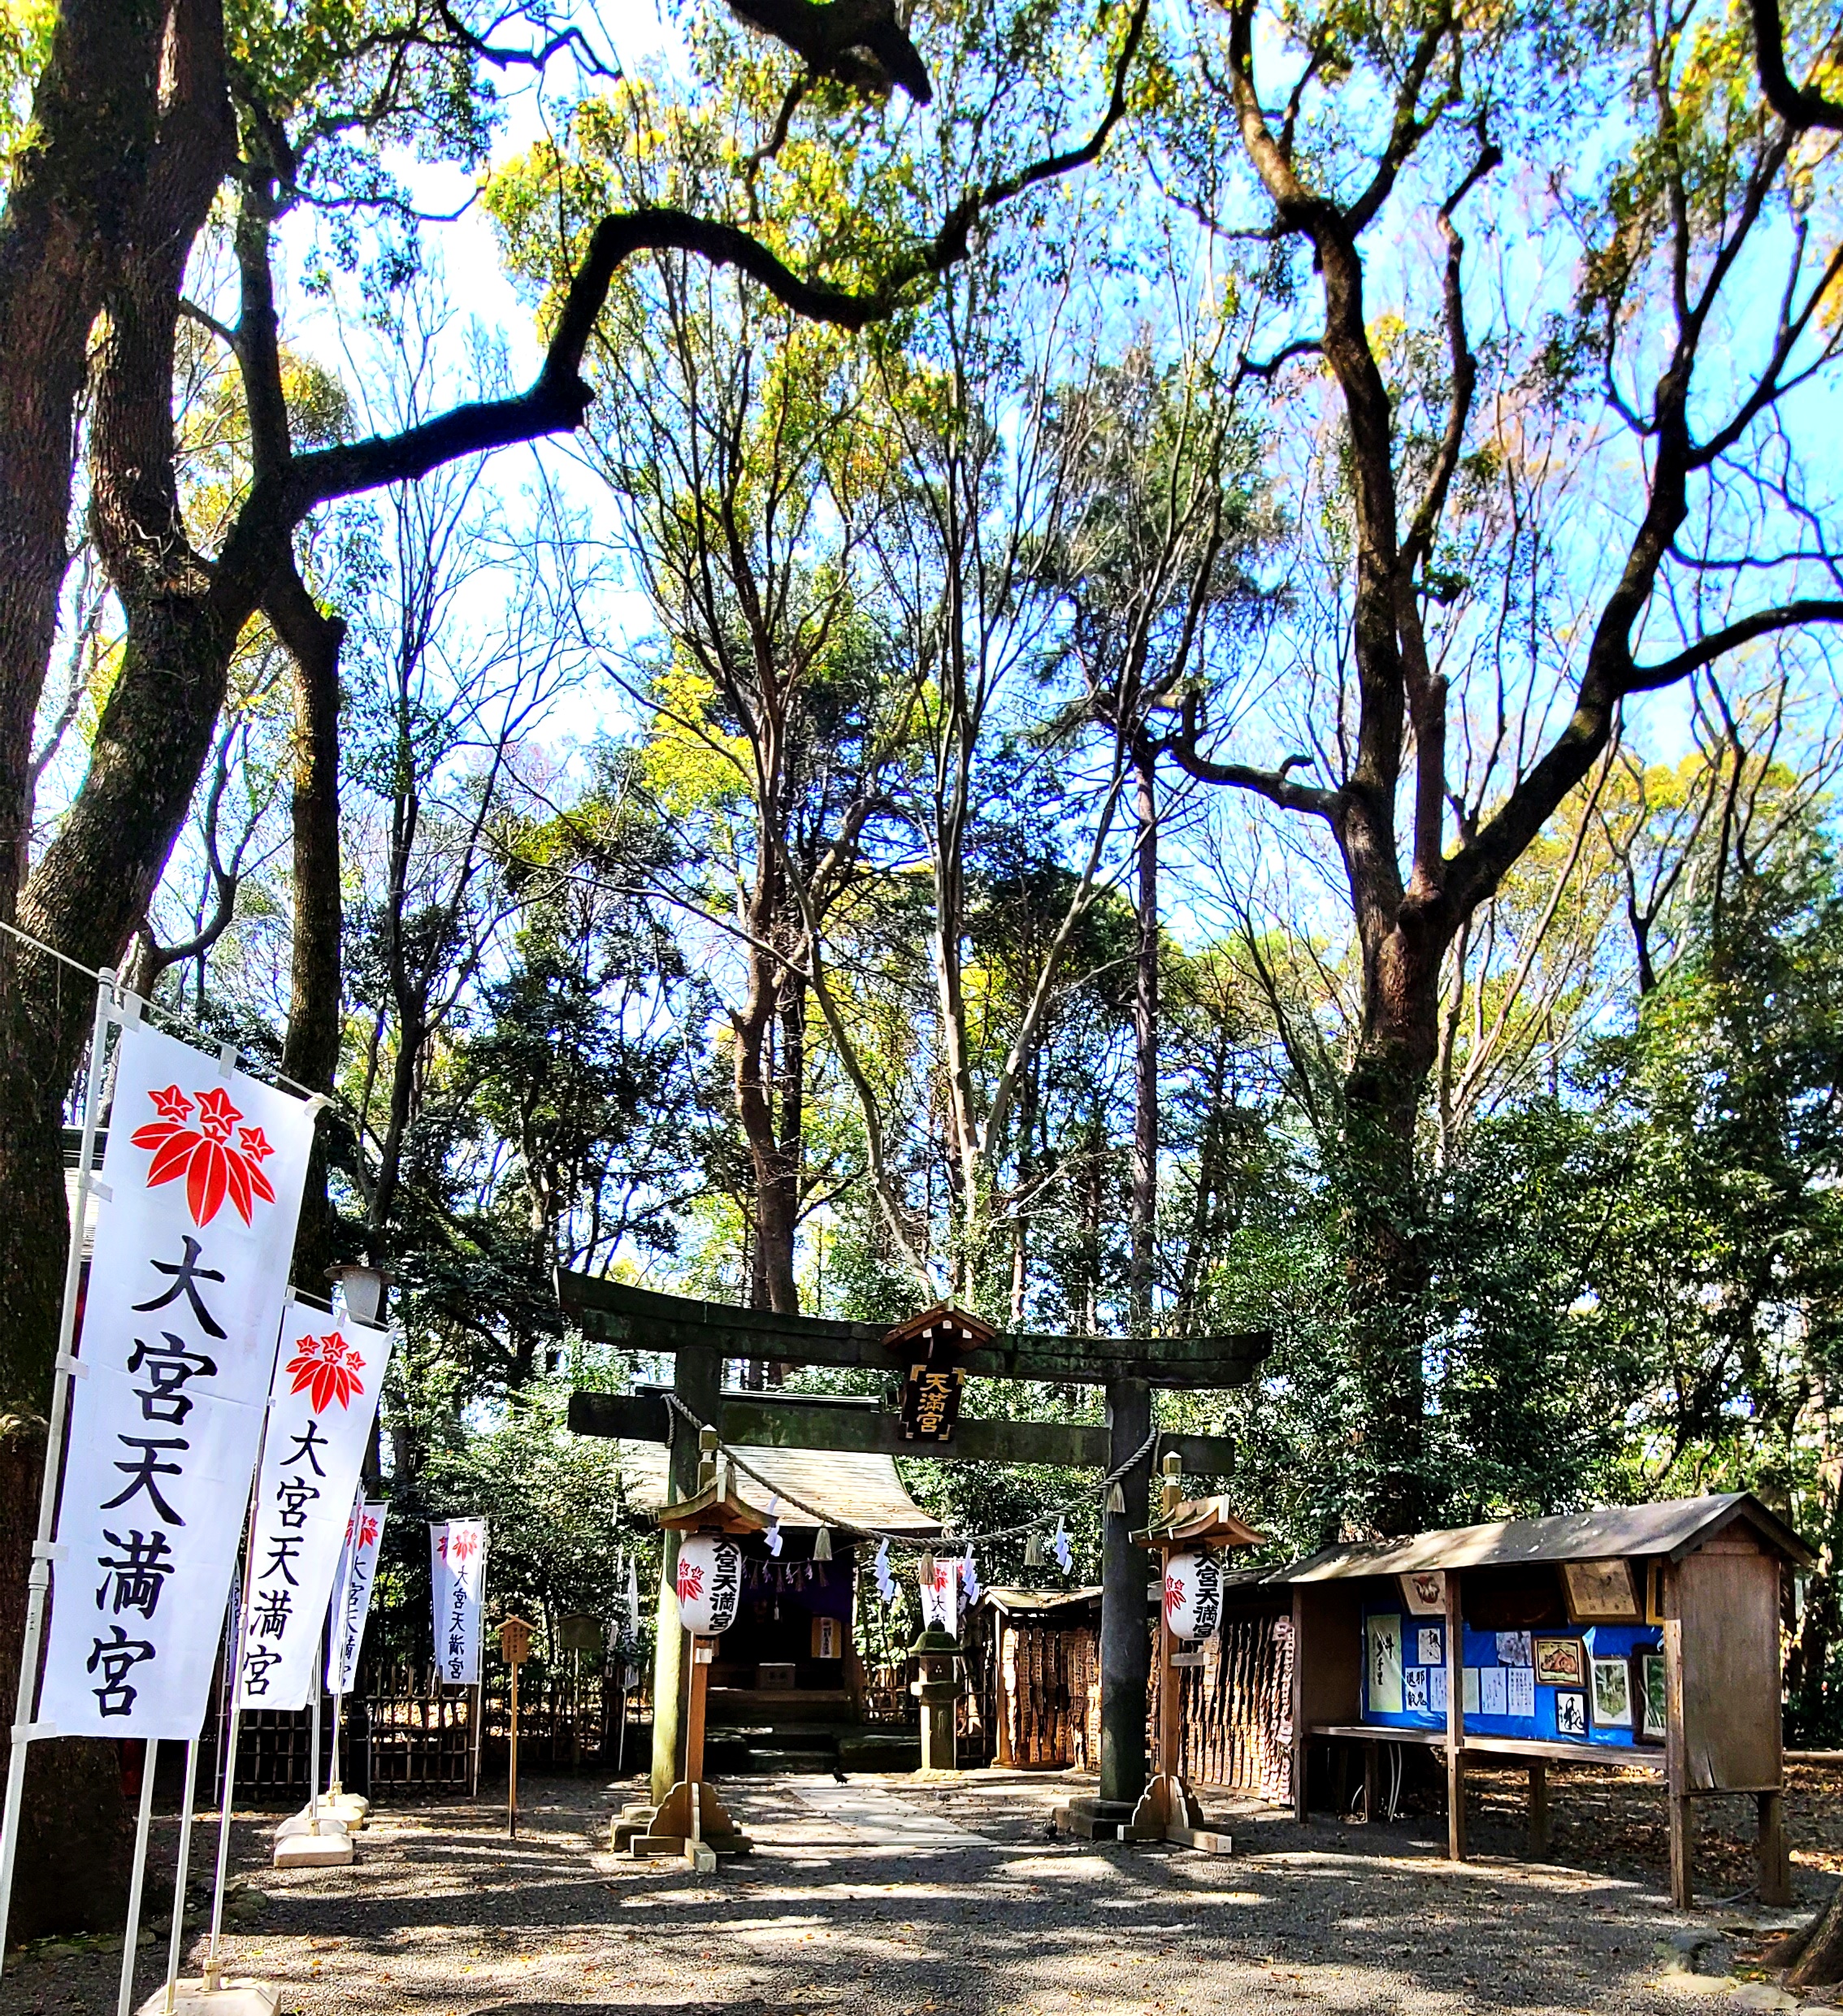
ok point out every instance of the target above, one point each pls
(794, 1763)
(880, 1750)
(757, 1707)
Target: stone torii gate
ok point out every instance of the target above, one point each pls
(701, 1336)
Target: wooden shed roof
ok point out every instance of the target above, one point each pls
(855, 1490)
(1673, 1529)
(1040, 1602)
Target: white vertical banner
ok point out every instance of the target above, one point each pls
(328, 1373)
(939, 1584)
(200, 1191)
(457, 1582)
(352, 1596)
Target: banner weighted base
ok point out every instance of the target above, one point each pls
(331, 1849)
(228, 1998)
(304, 1822)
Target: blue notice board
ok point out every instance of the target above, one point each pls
(1576, 1682)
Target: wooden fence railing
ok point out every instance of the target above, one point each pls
(403, 1733)
(1036, 1688)
(1238, 1708)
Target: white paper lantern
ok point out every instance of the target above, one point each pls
(709, 1583)
(1193, 1595)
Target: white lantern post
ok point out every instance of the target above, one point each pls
(690, 1820)
(1184, 1538)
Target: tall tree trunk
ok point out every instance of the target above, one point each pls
(91, 890)
(412, 1034)
(1027, 1169)
(310, 1054)
(1211, 1152)
(1143, 1264)
(1379, 1212)
(790, 1149)
(70, 208)
(1807, 1667)
(754, 1025)
(76, 201)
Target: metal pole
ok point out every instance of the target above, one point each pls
(314, 1749)
(211, 1966)
(38, 1581)
(131, 1940)
(480, 1685)
(336, 1638)
(176, 1942)
(234, 1659)
(621, 1740)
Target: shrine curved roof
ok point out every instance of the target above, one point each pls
(856, 1490)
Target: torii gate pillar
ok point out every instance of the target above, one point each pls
(697, 1380)
(1125, 1647)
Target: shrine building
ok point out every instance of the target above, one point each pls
(787, 1689)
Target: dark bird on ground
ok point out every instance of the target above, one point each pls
(859, 43)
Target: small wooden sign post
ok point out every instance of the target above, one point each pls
(1167, 1810)
(514, 1647)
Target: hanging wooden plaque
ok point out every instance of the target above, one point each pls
(932, 1345)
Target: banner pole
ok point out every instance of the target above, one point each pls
(38, 1581)
(335, 1634)
(131, 1939)
(239, 1629)
(212, 1970)
(176, 1940)
(314, 1746)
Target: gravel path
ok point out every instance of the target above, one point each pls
(882, 1898)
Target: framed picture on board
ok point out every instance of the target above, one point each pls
(1609, 1696)
(1424, 1593)
(1559, 1661)
(1382, 1677)
(1570, 1712)
(1649, 1690)
(1601, 1592)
